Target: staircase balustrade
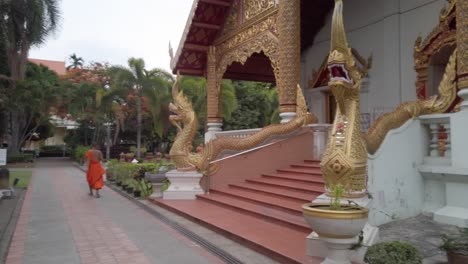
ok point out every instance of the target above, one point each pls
(438, 126)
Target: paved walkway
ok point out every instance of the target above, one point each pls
(60, 223)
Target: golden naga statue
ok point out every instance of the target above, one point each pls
(185, 120)
(345, 159)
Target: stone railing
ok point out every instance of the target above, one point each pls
(440, 145)
(237, 133)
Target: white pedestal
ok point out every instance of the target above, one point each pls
(185, 185)
(287, 116)
(157, 193)
(334, 249)
(212, 129)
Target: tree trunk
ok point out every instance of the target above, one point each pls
(15, 130)
(139, 110)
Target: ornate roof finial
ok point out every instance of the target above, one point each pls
(338, 37)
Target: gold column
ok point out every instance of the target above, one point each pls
(289, 35)
(462, 46)
(213, 89)
(462, 43)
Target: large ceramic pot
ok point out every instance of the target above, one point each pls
(337, 229)
(345, 223)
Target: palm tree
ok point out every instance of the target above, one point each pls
(23, 24)
(76, 62)
(153, 84)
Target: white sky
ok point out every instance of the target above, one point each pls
(115, 30)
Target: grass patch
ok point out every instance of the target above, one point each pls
(23, 176)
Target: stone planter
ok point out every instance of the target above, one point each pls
(338, 229)
(157, 179)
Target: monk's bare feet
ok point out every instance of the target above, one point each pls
(90, 193)
(97, 195)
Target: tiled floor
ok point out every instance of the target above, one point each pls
(60, 223)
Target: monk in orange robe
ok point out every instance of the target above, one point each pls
(95, 171)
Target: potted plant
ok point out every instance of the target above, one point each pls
(336, 219)
(338, 225)
(456, 247)
(394, 252)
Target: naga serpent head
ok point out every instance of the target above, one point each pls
(344, 76)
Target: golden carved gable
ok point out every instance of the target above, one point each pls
(443, 35)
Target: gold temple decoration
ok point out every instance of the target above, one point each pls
(320, 77)
(289, 34)
(443, 35)
(345, 158)
(239, 40)
(254, 7)
(437, 104)
(185, 121)
(462, 43)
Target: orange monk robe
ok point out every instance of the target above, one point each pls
(95, 170)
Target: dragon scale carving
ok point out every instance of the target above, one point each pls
(186, 123)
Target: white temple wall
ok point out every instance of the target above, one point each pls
(394, 182)
(388, 30)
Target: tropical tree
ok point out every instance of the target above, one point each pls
(76, 62)
(23, 24)
(258, 106)
(195, 89)
(33, 98)
(152, 85)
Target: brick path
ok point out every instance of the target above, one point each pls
(60, 223)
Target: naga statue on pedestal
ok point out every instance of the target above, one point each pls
(184, 118)
(345, 160)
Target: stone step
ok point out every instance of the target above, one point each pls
(315, 188)
(280, 242)
(263, 212)
(313, 162)
(277, 203)
(276, 192)
(296, 177)
(305, 166)
(300, 171)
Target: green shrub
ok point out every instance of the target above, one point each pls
(22, 157)
(52, 148)
(395, 252)
(457, 244)
(79, 153)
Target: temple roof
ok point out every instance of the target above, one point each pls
(205, 23)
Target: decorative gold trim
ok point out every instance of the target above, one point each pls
(310, 210)
(245, 26)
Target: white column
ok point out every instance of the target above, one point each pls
(448, 144)
(213, 128)
(287, 116)
(434, 144)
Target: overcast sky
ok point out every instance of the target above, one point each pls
(115, 30)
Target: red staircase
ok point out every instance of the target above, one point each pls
(263, 212)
